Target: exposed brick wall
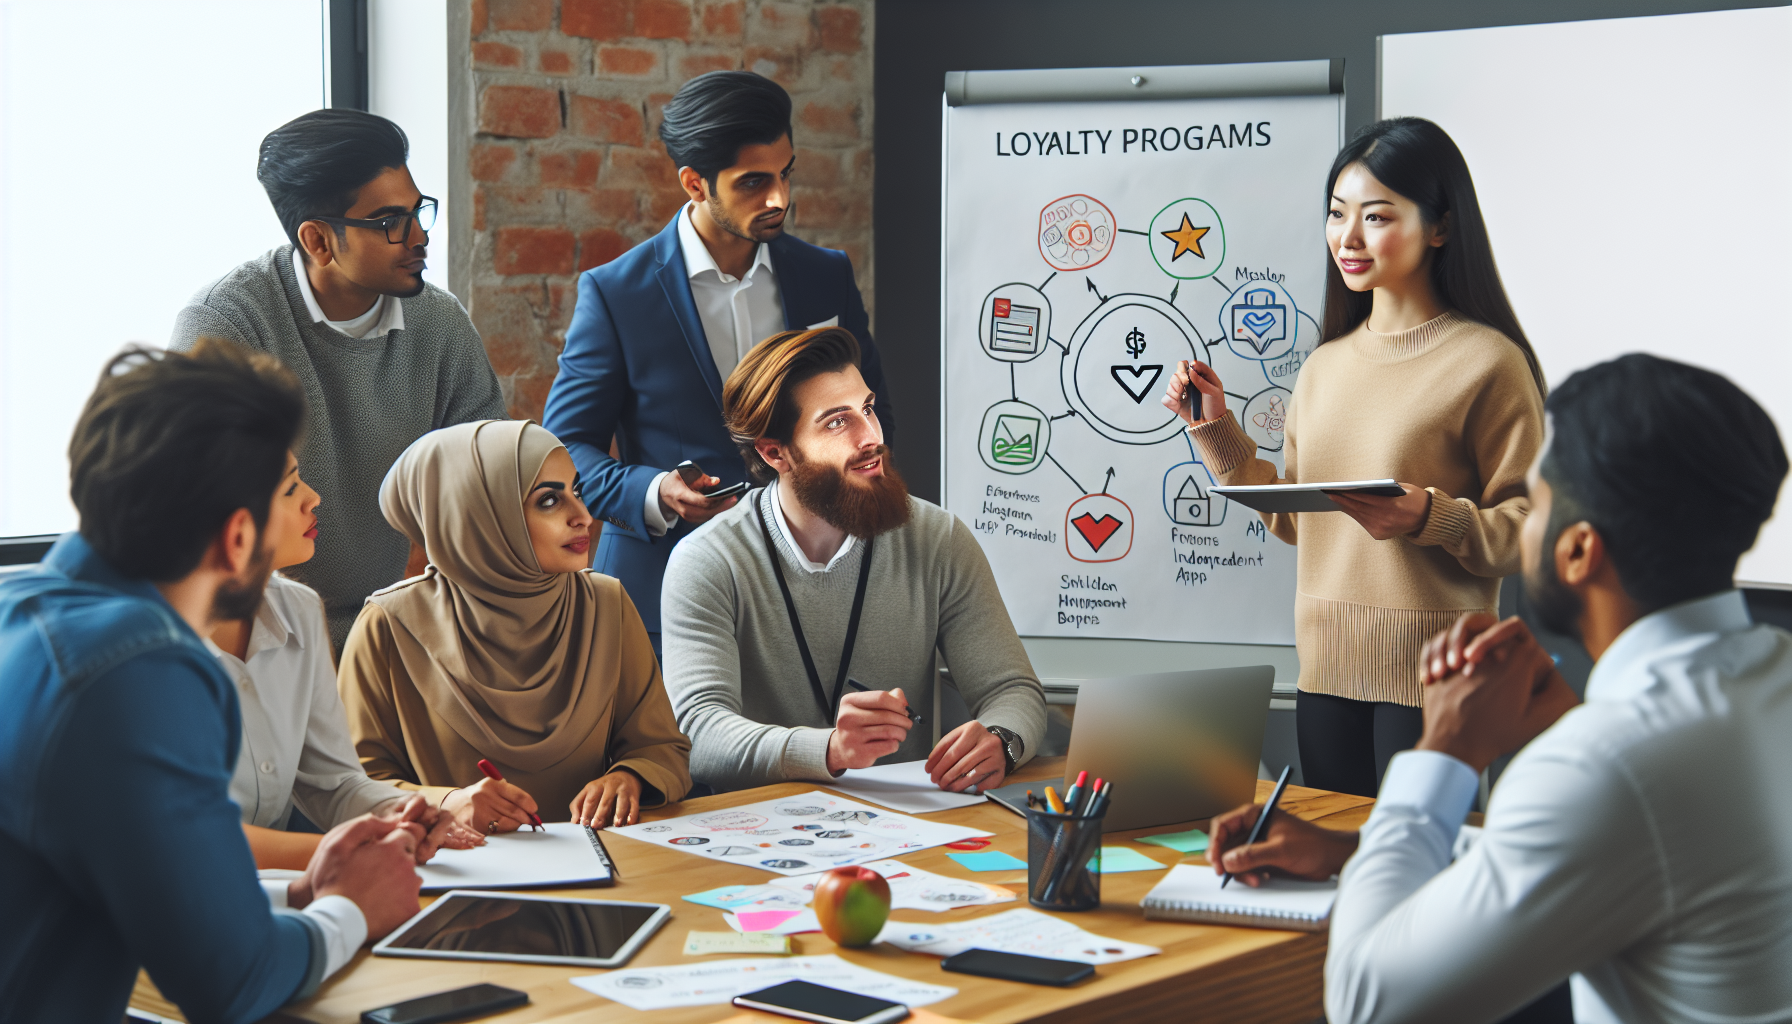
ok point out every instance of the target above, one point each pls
(568, 171)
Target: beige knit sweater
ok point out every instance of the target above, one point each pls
(1450, 406)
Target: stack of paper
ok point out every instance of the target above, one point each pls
(905, 786)
(1017, 931)
(718, 981)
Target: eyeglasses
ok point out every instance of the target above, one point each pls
(397, 226)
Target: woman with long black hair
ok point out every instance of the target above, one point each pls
(1422, 374)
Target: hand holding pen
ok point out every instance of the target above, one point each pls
(492, 805)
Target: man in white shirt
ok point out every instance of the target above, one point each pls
(658, 329)
(1641, 845)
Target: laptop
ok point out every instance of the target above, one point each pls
(1176, 745)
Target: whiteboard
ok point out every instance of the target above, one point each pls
(1087, 247)
(1634, 174)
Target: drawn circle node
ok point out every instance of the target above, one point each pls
(1076, 232)
(1014, 323)
(1188, 240)
(1014, 437)
(1121, 357)
(1188, 496)
(1098, 528)
(1260, 321)
(1265, 415)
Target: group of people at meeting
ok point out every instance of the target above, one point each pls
(320, 576)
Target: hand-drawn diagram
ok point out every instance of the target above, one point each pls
(1076, 232)
(809, 833)
(1115, 366)
(1093, 247)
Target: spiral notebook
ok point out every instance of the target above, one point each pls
(561, 854)
(1191, 892)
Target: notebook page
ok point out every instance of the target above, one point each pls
(562, 854)
(1197, 887)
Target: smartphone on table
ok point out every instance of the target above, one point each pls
(690, 473)
(1033, 970)
(442, 1007)
(806, 1001)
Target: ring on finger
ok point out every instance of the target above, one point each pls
(491, 827)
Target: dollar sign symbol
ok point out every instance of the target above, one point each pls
(1135, 343)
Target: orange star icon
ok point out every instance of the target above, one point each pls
(1187, 239)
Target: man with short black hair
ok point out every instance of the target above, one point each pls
(657, 330)
(1641, 845)
(769, 608)
(119, 844)
(384, 357)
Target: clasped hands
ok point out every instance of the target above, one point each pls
(1490, 688)
(875, 723)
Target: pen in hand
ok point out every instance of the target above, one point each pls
(1262, 819)
(854, 684)
(491, 772)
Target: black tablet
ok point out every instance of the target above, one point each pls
(465, 925)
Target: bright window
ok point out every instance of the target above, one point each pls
(128, 138)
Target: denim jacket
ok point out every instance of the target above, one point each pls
(119, 845)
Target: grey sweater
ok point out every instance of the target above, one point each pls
(736, 677)
(369, 399)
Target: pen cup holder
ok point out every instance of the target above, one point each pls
(1063, 861)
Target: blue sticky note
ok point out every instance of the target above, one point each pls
(720, 898)
(1115, 859)
(988, 860)
(1192, 841)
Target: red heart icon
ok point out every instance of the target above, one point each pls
(1096, 531)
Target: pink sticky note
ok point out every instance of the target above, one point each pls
(763, 920)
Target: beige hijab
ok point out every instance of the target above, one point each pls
(519, 662)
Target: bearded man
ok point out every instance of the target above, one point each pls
(770, 616)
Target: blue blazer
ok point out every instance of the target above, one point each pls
(637, 367)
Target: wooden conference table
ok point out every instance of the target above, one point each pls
(1204, 972)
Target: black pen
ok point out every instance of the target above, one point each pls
(862, 688)
(1262, 819)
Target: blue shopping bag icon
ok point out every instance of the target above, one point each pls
(1259, 321)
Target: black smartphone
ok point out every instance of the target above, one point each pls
(805, 1001)
(457, 1004)
(690, 472)
(1034, 970)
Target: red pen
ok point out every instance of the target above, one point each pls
(491, 772)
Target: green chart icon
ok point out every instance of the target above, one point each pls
(1014, 437)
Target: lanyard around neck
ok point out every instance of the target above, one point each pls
(830, 708)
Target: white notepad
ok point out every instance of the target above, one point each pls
(903, 786)
(563, 854)
(1191, 892)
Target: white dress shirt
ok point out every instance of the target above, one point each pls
(736, 313)
(772, 493)
(386, 313)
(343, 925)
(296, 746)
(1642, 844)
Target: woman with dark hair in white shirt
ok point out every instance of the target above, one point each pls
(296, 750)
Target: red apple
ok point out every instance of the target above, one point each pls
(852, 904)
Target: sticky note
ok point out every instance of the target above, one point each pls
(763, 920)
(709, 943)
(1192, 841)
(988, 860)
(1115, 859)
(721, 899)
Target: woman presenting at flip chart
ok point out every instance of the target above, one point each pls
(1421, 374)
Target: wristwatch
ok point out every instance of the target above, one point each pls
(1013, 748)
